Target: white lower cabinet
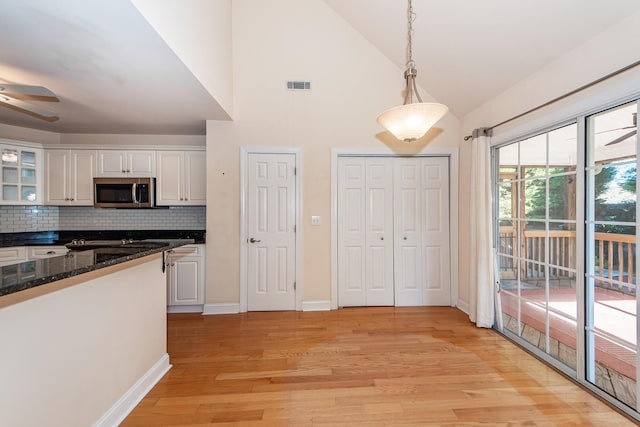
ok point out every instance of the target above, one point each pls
(185, 279)
(12, 255)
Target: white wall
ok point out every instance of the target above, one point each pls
(206, 48)
(612, 49)
(69, 355)
(352, 82)
(29, 135)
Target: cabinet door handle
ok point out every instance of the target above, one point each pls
(51, 252)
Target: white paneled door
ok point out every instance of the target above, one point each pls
(393, 231)
(271, 213)
(365, 236)
(408, 231)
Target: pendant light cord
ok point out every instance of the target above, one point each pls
(411, 16)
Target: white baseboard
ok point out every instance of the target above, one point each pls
(185, 308)
(123, 407)
(463, 306)
(316, 305)
(231, 308)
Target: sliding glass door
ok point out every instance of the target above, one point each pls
(566, 237)
(610, 236)
(536, 208)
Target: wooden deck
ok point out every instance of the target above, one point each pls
(615, 315)
(359, 366)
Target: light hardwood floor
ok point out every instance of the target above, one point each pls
(355, 367)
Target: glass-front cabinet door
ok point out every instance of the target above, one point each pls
(20, 175)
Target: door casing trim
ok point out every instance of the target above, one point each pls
(244, 154)
(451, 153)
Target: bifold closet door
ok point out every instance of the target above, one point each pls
(393, 231)
(365, 231)
(421, 231)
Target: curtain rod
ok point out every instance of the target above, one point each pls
(566, 95)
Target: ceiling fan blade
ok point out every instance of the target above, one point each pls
(614, 130)
(25, 107)
(621, 138)
(39, 91)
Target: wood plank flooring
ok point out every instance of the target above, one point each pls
(357, 367)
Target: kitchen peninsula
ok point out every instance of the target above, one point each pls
(83, 334)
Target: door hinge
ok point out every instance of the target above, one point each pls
(294, 286)
(295, 171)
(294, 228)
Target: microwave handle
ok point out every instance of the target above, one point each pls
(134, 189)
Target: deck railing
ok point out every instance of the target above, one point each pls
(614, 261)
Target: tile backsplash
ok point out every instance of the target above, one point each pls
(16, 219)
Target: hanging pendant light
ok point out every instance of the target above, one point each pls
(411, 120)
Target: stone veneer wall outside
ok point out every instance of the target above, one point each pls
(18, 219)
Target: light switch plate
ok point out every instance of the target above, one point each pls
(315, 220)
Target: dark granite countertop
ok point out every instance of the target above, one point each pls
(37, 238)
(30, 274)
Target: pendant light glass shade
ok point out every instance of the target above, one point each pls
(411, 121)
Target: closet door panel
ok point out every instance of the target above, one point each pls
(407, 228)
(351, 232)
(379, 235)
(435, 231)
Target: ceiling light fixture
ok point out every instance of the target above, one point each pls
(411, 120)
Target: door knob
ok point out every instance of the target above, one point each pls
(382, 238)
(405, 238)
(252, 240)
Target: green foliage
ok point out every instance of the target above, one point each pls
(628, 180)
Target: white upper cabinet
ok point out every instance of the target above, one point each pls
(69, 177)
(123, 163)
(181, 178)
(20, 175)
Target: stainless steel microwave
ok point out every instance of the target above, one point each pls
(123, 192)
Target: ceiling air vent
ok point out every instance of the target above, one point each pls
(298, 85)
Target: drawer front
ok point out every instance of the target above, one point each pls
(46, 251)
(12, 255)
(190, 250)
(16, 253)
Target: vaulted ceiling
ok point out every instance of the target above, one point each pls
(113, 73)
